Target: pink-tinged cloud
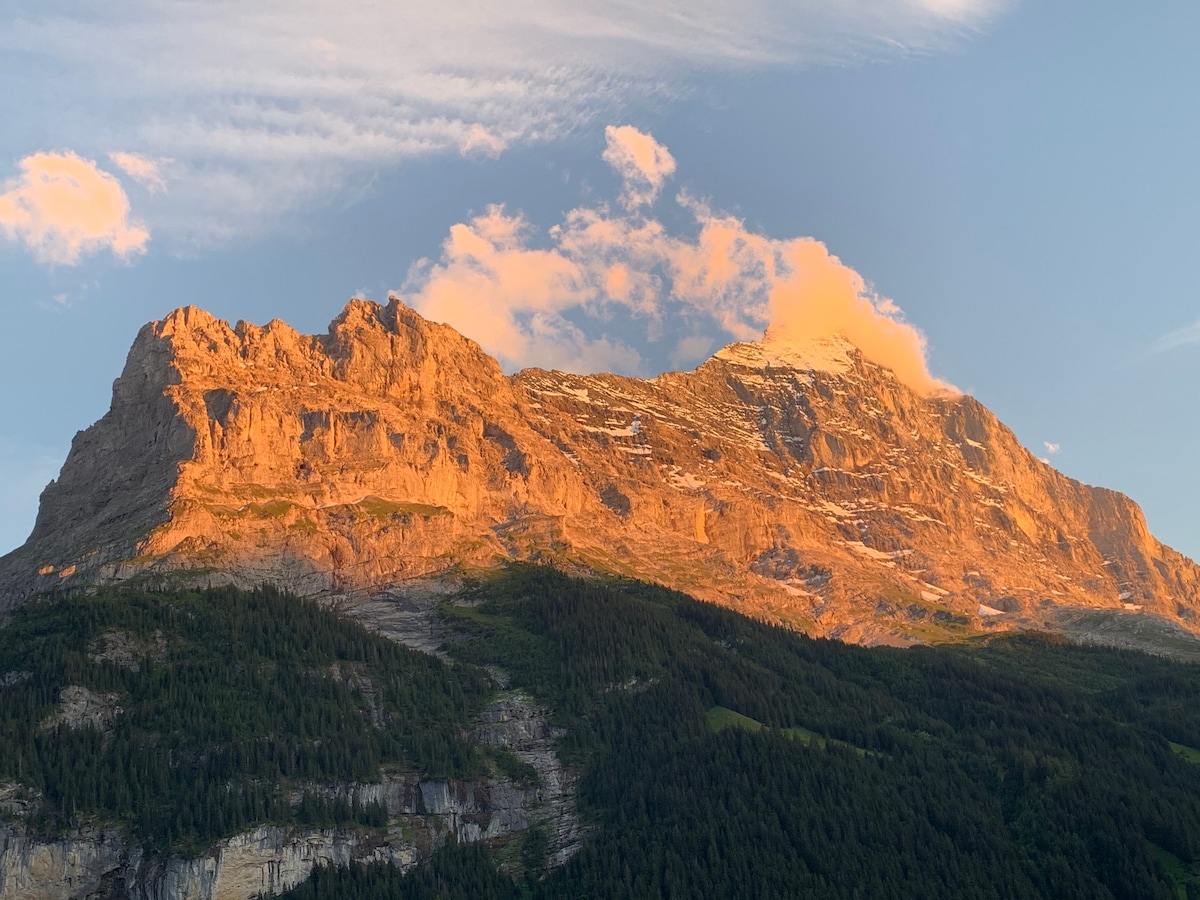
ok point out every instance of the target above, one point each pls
(478, 141)
(142, 169)
(523, 296)
(491, 286)
(63, 207)
(818, 296)
(641, 161)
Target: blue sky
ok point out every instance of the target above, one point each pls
(1019, 178)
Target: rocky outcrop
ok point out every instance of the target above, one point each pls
(73, 867)
(79, 707)
(800, 484)
(423, 814)
(96, 863)
(516, 724)
(127, 650)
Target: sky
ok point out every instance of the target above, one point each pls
(992, 197)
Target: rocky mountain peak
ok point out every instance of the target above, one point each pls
(834, 355)
(798, 482)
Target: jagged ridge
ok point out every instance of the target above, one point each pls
(801, 485)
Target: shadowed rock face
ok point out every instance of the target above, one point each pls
(799, 484)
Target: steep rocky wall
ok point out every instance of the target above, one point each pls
(801, 484)
(423, 814)
(98, 864)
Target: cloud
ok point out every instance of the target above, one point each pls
(641, 161)
(62, 207)
(286, 99)
(533, 299)
(818, 296)
(492, 286)
(1180, 337)
(143, 170)
(478, 140)
(1051, 448)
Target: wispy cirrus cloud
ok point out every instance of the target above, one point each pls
(1180, 337)
(265, 106)
(147, 172)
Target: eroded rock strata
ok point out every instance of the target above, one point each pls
(800, 484)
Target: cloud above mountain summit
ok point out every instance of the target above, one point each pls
(611, 276)
(264, 106)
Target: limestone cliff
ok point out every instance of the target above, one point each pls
(801, 484)
(97, 862)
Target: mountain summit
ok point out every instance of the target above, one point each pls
(801, 484)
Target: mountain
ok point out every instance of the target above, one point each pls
(801, 484)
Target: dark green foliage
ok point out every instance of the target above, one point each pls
(243, 701)
(512, 766)
(317, 811)
(1023, 767)
(721, 757)
(534, 849)
(453, 873)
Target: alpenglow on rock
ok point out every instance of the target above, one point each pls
(802, 485)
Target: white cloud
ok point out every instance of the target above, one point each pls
(63, 207)
(1180, 337)
(284, 98)
(147, 172)
(523, 296)
(478, 140)
(1051, 448)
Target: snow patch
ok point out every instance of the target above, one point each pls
(887, 559)
(823, 355)
(793, 591)
(685, 480)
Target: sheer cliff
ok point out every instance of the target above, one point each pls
(800, 484)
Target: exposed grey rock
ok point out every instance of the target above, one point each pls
(79, 707)
(424, 814)
(126, 650)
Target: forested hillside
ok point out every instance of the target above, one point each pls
(728, 759)
(200, 707)
(719, 757)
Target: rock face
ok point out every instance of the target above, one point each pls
(96, 862)
(800, 484)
